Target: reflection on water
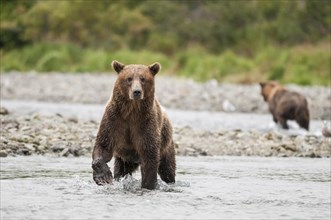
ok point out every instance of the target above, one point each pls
(207, 187)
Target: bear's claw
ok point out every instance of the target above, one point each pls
(102, 180)
(101, 172)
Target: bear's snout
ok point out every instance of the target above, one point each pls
(136, 91)
(137, 94)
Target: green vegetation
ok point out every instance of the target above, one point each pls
(287, 41)
(67, 57)
(301, 64)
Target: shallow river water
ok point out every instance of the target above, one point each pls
(39, 187)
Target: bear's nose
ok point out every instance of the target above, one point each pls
(137, 93)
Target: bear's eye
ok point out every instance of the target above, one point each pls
(129, 79)
(142, 79)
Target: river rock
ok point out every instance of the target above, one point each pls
(41, 148)
(3, 153)
(60, 136)
(58, 148)
(64, 152)
(3, 111)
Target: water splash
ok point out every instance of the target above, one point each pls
(257, 188)
(128, 183)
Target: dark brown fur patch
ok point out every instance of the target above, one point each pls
(136, 131)
(285, 105)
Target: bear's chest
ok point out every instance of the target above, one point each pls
(126, 143)
(127, 154)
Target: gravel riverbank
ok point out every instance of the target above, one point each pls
(172, 92)
(65, 136)
(62, 135)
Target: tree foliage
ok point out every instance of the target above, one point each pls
(165, 26)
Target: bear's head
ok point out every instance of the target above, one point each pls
(136, 82)
(268, 89)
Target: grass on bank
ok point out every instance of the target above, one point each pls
(304, 64)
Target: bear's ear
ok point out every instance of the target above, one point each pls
(262, 84)
(117, 66)
(154, 68)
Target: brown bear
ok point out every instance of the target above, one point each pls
(135, 130)
(285, 105)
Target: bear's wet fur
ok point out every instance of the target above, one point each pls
(135, 130)
(285, 105)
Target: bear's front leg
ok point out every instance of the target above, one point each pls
(101, 172)
(102, 153)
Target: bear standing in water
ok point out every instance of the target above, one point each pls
(285, 105)
(135, 130)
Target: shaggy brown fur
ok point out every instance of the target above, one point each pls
(285, 105)
(135, 130)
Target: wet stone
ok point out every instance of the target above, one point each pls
(57, 148)
(24, 152)
(65, 137)
(76, 151)
(3, 111)
(41, 148)
(73, 120)
(64, 152)
(3, 153)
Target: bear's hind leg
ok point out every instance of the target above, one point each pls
(167, 167)
(304, 123)
(122, 168)
(283, 122)
(302, 118)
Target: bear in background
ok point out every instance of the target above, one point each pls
(135, 130)
(285, 105)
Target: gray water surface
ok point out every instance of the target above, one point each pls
(39, 187)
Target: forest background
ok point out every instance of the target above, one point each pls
(235, 41)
